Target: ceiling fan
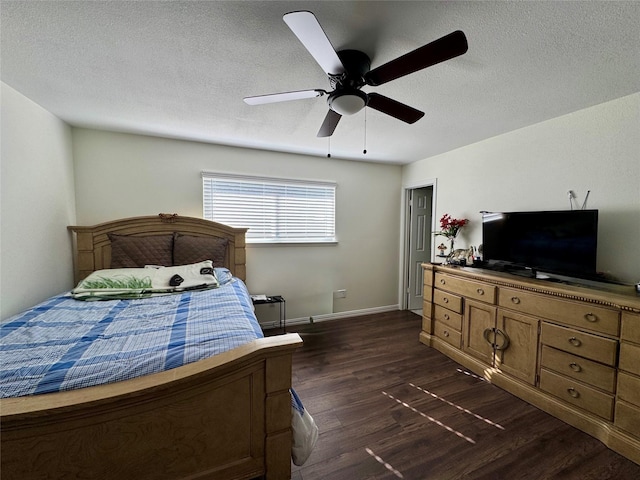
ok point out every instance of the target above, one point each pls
(350, 70)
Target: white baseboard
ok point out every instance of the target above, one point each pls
(351, 313)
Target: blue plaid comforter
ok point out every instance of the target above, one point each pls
(66, 344)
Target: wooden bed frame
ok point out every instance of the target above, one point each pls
(92, 248)
(225, 417)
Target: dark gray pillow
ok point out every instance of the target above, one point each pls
(128, 251)
(191, 249)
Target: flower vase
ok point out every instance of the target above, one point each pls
(451, 239)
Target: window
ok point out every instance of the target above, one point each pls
(274, 210)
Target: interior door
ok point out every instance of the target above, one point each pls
(420, 200)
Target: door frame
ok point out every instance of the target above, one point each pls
(405, 237)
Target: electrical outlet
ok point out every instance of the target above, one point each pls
(340, 293)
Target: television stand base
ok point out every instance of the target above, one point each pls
(513, 269)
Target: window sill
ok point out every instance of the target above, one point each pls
(292, 244)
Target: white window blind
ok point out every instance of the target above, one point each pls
(274, 210)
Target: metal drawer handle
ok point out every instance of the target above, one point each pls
(442, 281)
(573, 392)
(496, 331)
(591, 317)
(486, 333)
(445, 300)
(575, 367)
(480, 291)
(446, 333)
(506, 342)
(446, 316)
(515, 300)
(575, 342)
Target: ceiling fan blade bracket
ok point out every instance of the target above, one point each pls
(336, 81)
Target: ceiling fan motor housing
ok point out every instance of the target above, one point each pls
(356, 65)
(347, 98)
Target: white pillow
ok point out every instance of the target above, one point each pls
(193, 275)
(135, 282)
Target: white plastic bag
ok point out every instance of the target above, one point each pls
(305, 431)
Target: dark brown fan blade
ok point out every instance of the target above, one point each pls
(394, 108)
(444, 48)
(330, 123)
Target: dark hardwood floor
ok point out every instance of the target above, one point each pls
(389, 407)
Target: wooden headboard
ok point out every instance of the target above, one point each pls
(92, 248)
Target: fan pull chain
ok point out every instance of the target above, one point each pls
(329, 149)
(365, 131)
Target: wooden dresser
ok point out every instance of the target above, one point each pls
(570, 350)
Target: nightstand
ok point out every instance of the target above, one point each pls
(279, 299)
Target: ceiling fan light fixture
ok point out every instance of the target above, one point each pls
(347, 102)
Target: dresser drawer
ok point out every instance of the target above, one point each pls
(447, 300)
(629, 388)
(427, 293)
(582, 315)
(454, 320)
(630, 327)
(586, 371)
(628, 418)
(630, 358)
(447, 334)
(467, 288)
(583, 344)
(577, 394)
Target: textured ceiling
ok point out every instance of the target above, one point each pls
(180, 69)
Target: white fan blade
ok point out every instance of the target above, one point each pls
(305, 26)
(283, 97)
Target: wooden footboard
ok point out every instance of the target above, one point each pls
(226, 417)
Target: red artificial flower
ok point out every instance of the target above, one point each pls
(451, 226)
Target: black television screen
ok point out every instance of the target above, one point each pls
(562, 242)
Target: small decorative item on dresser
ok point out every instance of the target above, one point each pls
(462, 256)
(442, 247)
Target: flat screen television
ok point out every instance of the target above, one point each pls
(560, 242)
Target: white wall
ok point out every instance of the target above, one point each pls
(595, 149)
(121, 175)
(37, 203)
